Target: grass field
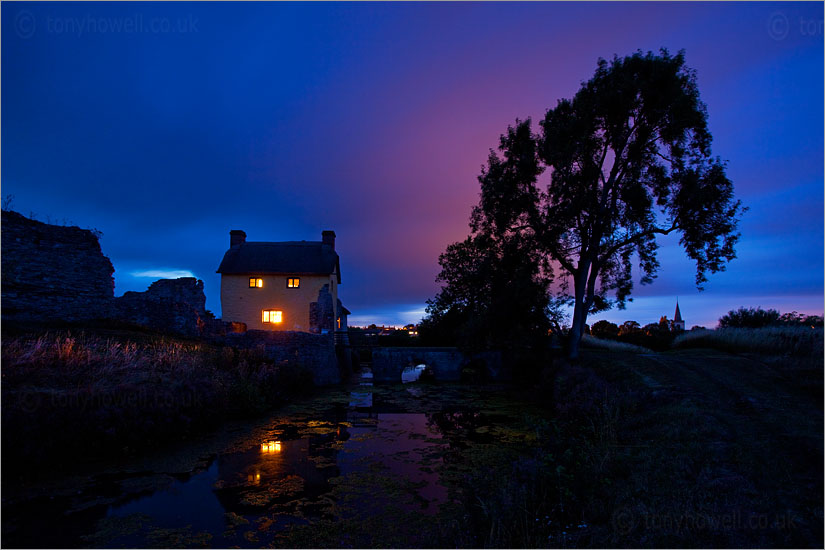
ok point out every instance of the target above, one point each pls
(693, 448)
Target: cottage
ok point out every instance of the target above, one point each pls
(282, 286)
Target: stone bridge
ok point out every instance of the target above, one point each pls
(446, 363)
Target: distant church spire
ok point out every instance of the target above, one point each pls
(677, 317)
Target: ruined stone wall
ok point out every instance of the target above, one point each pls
(171, 305)
(314, 351)
(56, 273)
(51, 272)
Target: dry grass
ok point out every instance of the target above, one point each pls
(91, 395)
(592, 342)
(803, 342)
(82, 358)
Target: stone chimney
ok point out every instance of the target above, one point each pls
(236, 237)
(328, 237)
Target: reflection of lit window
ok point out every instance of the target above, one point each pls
(272, 316)
(271, 447)
(255, 282)
(293, 282)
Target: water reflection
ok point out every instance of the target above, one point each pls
(271, 447)
(291, 477)
(412, 373)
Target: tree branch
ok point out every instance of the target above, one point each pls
(654, 231)
(663, 157)
(565, 263)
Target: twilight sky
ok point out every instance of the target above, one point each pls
(166, 125)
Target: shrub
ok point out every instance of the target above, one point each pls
(749, 318)
(605, 330)
(798, 319)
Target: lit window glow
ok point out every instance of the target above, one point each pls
(272, 316)
(256, 282)
(293, 282)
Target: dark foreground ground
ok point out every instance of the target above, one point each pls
(677, 449)
(706, 448)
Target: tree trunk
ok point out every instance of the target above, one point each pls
(575, 337)
(585, 292)
(579, 313)
(577, 328)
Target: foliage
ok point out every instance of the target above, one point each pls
(495, 292)
(628, 158)
(604, 329)
(758, 317)
(798, 319)
(629, 327)
(749, 318)
(653, 336)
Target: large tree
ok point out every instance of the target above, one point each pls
(629, 158)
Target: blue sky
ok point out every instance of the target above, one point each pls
(165, 125)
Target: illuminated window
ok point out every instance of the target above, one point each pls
(256, 283)
(272, 316)
(293, 282)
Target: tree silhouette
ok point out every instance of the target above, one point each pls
(628, 159)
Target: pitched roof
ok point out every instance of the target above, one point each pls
(678, 316)
(291, 257)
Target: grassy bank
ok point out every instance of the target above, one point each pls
(71, 396)
(795, 351)
(692, 448)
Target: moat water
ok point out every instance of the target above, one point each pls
(357, 466)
